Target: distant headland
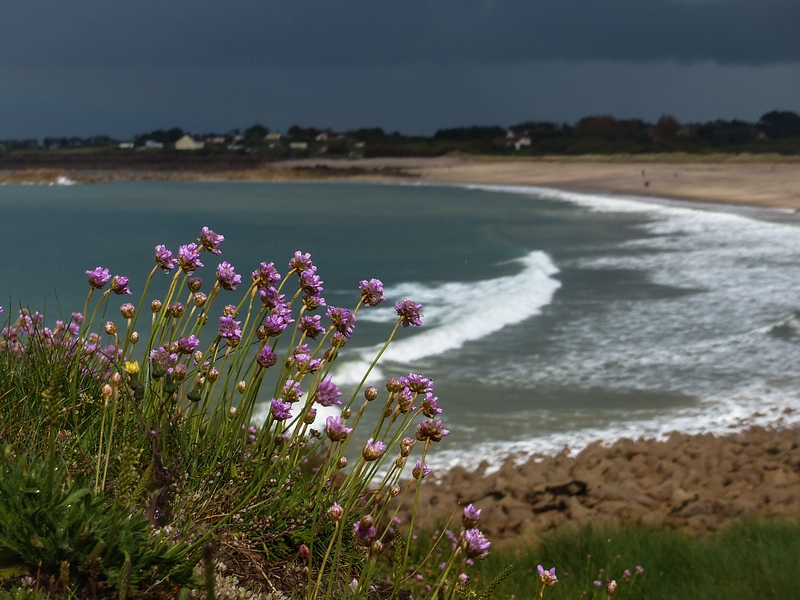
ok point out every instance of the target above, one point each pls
(728, 161)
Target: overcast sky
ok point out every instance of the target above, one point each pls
(88, 67)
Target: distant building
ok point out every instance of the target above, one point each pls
(298, 145)
(153, 145)
(187, 142)
(360, 144)
(523, 141)
(215, 139)
(276, 135)
(125, 145)
(321, 137)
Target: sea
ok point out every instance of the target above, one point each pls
(552, 319)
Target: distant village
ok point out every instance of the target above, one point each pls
(775, 131)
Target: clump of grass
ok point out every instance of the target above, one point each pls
(747, 560)
(140, 433)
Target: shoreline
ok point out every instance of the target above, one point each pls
(765, 181)
(689, 481)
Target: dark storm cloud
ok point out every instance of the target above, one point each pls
(298, 33)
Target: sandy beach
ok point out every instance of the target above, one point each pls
(758, 180)
(772, 181)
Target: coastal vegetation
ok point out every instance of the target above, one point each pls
(134, 463)
(752, 560)
(776, 132)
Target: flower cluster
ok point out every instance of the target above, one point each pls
(206, 367)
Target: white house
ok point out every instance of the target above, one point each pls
(153, 145)
(126, 145)
(523, 141)
(298, 145)
(187, 142)
(276, 135)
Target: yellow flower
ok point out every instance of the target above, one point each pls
(132, 368)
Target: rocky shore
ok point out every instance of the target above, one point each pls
(695, 483)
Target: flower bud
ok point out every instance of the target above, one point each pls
(378, 498)
(406, 446)
(241, 386)
(366, 522)
(335, 512)
(611, 588)
(338, 340)
(229, 310)
(400, 462)
(395, 384)
(346, 412)
(371, 393)
(232, 342)
(261, 333)
(134, 337)
(330, 354)
(107, 391)
(342, 462)
(111, 328)
(310, 416)
(199, 299)
(197, 390)
(377, 547)
(127, 310)
(304, 551)
(194, 284)
(198, 357)
(176, 309)
(394, 491)
(232, 411)
(156, 305)
(179, 372)
(116, 380)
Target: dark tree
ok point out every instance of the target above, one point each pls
(780, 124)
(368, 133)
(607, 129)
(722, 132)
(540, 130)
(304, 133)
(468, 134)
(256, 133)
(667, 128)
(169, 136)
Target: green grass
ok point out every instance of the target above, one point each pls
(757, 560)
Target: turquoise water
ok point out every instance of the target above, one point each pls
(552, 318)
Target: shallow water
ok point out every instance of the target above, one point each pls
(552, 318)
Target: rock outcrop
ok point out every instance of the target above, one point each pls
(691, 482)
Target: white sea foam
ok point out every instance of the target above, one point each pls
(756, 405)
(457, 313)
(726, 341)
